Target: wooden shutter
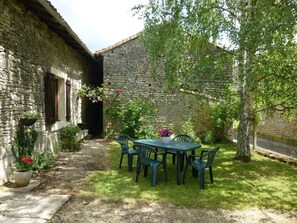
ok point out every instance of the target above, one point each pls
(68, 101)
(51, 99)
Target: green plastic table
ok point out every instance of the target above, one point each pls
(178, 146)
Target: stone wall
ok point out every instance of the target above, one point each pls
(126, 67)
(278, 126)
(28, 50)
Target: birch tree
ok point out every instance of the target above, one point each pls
(260, 38)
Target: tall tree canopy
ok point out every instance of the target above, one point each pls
(261, 40)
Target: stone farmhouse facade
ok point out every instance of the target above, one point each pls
(40, 53)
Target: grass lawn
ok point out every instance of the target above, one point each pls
(262, 183)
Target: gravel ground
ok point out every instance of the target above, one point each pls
(72, 169)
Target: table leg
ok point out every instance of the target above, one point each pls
(156, 156)
(194, 171)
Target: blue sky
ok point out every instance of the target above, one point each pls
(100, 23)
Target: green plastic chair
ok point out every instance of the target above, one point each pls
(183, 138)
(124, 141)
(146, 158)
(199, 165)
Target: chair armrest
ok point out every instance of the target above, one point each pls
(202, 154)
(160, 151)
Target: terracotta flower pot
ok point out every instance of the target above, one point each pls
(22, 178)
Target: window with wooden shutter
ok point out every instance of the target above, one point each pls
(68, 100)
(51, 99)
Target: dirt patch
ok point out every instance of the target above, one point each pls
(71, 170)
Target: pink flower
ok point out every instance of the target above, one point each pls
(165, 132)
(118, 91)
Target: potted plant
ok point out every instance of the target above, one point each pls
(22, 150)
(23, 172)
(29, 118)
(165, 133)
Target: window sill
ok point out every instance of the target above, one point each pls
(58, 125)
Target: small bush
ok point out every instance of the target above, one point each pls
(133, 117)
(42, 160)
(208, 138)
(187, 127)
(68, 138)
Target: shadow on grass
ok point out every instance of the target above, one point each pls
(262, 183)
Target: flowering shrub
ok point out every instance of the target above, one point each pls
(128, 115)
(165, 132)
(25, 165)
(98, 94)
(118, 91)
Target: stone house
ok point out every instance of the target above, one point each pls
(41, 58)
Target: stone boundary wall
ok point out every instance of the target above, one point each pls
(279, 127)
(126, 67)
(28, 50)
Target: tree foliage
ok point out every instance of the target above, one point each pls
(182, 37)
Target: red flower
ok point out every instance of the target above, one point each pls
(27, 160)
(118, 91)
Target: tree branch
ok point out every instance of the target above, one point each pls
(276, 107)
(229, 11)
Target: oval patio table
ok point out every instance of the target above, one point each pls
(178, 146)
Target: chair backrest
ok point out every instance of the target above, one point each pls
(145, 152)
(211, 155)
(183, 138)
(124, 140)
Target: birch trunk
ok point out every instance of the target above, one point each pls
(243, 141)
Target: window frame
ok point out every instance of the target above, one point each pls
(57, 98)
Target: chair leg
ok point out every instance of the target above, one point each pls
(210, 173)
(137, 171)
(185, 172)
(130, 162)
(145, 171)
(121, 161)
(194, 172)
(165, 171)
(154, 175)
(201, 177)
(138, 160)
